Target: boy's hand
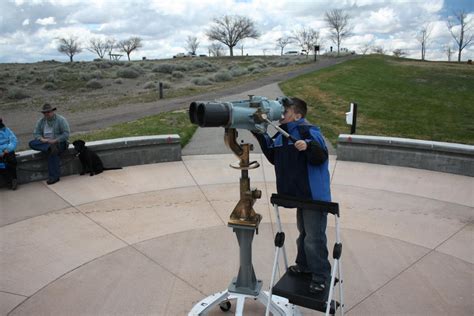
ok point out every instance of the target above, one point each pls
(301, 145)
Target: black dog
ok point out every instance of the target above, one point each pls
(90, 161)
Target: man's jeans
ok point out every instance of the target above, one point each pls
(54, 167)
(312, 244)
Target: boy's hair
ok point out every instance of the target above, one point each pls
(298, 105)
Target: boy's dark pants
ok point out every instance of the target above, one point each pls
(312, 244)
(10, 162)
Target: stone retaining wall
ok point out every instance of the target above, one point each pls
(119, 152)
(436, 156)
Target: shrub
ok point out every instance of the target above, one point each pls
(178, 74)
(118, 81)
(22, 77)
(62, 69)
(166, 85)
(252, 67)
(127, 73)
(49, 86)
(104, 64)
(238, 71)
(201, 82)
(94, 84)
(150, 85)
(17, 94)
(51, 78)
(223, 76)
(164, 68)
(97, 74)
(200, 64)
(86, 76)
(181, 67)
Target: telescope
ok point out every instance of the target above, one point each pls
(254, 114)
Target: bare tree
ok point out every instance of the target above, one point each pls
(231, 29)
(338, 22)
(282, 42)
(69, 46)
(306, 38)
(448, 50)
(129, 45)
(241, 46)
(460, 32)
(192, 44)
(98, 46)
(423, 37)
(365, 47)
(378, 50)
(399, 53)
(111, 44)
(216, 49)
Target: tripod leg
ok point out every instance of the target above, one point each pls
(275, 266)
(341, 291)
(331, 286)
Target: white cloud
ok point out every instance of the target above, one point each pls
(46, 21)
(165, 24)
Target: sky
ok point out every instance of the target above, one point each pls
(30, 29)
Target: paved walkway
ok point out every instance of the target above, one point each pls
(153, 240)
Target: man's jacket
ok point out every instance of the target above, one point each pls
(302, 174)
(60, 128)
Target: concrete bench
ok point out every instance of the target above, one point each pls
(119, 152)
(436, 156)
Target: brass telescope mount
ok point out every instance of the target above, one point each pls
(243, 213)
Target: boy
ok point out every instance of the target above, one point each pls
(301, 170)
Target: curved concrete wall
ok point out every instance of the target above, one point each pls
(436, 156)
(119, 152)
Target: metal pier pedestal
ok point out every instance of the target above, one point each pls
(244, 221)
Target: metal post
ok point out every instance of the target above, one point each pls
(161, 90)
(354, 119)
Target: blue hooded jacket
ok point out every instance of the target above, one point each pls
(295, 174)
(8, 141)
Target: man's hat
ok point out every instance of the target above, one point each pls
(47, 108)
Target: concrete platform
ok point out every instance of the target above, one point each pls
(153, 239)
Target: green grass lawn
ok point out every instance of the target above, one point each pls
(176, 122)
(396, 97)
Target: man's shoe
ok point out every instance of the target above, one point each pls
(317, 287)
(14, 185)
(52, 181)
(297, 270)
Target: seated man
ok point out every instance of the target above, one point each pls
(8, 143)
(51, 137)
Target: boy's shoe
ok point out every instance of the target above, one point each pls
(52, 181)
(14, 184)
(297, 270)
(317, 287)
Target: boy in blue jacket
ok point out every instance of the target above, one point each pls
(301, 170)
(8, 162)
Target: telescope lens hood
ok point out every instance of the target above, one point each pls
(212, 114)
(193, 112)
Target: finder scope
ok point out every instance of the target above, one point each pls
(245, 114)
